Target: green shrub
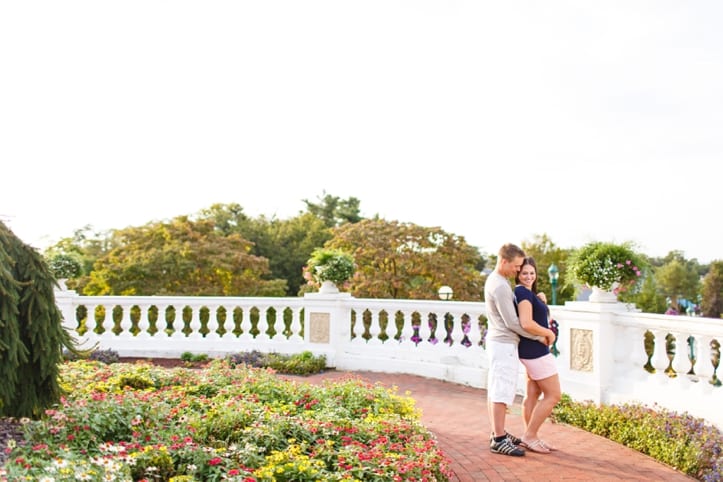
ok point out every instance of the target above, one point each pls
(189, 357)
(304, 363)
(684, 442)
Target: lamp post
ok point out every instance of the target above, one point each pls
(445, 293)
(554, 274)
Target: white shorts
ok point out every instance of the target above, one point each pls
(502, 374)
(540, 368)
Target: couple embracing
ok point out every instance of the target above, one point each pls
(518, 331)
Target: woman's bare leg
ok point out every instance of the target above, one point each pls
(550, 388)
(532, 395)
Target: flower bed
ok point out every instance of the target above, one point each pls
(143, 422)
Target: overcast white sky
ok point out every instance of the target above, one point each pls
(494, 120)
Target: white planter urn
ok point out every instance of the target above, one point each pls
(599, 295)
(328, 287)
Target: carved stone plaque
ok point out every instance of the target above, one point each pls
(581, 350)
(319, 327)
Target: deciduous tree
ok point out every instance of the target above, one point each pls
(181, 257)
(677, 278)
(286, 243)
(712, 303)
(404, 260)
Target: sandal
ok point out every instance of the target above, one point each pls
(548, 445)
(536, 446)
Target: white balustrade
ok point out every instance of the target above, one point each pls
(602, 348)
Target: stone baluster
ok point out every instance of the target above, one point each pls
(426, 329)
(263, 325)
(680, 363)
(195, 323)
(244, 324)
(143, 324)
(296, 326)
(474, 334)
(660, 357)
(715, 361)
(405, 337)
(125, 328)
(375, 328)
(214, 325)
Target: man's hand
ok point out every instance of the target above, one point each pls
(542, 297)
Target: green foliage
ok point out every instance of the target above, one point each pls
(403, 260)
(64, 266)
(604, 264)
(678, 277)
(181, 257)
(332, 265)
(334, 211)
(304, 363)
(245, 424)
(684, 442)
(86, 246)
(286, 243)
(545, 253)
(189, 357)
(712, 303)
(648, 299)
(155, 463)
(32, 336)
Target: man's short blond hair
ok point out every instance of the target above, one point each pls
(511, 251)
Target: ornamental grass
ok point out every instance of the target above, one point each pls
(140, 422)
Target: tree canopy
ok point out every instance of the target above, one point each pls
(276, 251)
(404, 260)
(181, 257)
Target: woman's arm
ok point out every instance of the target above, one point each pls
(524, 307)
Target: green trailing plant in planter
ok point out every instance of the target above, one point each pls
(329, 265)
(608, 266)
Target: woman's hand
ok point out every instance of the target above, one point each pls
(542, 297)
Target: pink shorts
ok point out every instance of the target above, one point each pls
(540, 368)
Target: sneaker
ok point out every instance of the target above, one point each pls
(506, 447)
(510, 437)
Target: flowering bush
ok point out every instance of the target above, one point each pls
(608, 266)
(683, 441)
(222, 423)
(330, 265)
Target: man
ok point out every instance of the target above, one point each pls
(504, 331)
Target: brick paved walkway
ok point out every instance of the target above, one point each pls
(457, 415)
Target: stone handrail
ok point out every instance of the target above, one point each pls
(606, 352)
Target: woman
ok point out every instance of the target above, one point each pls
(542, 377)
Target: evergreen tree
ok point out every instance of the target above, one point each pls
(32, 335)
